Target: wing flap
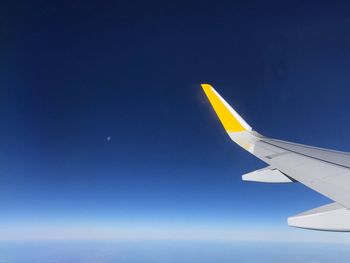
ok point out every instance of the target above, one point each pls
(331, 217)
(267, 175)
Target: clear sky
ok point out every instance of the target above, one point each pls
(105, 131)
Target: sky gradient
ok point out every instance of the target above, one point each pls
(75, 73)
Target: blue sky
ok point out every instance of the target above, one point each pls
(73, 74)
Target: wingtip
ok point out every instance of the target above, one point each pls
(229, 118)
(206, 86)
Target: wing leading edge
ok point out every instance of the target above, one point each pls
(325, 171)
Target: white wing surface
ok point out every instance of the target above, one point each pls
(325, 171)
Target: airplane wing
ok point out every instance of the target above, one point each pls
(325, 171)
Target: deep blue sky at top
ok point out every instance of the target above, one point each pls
(73, 73)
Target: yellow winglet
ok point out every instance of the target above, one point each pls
(229, 118)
